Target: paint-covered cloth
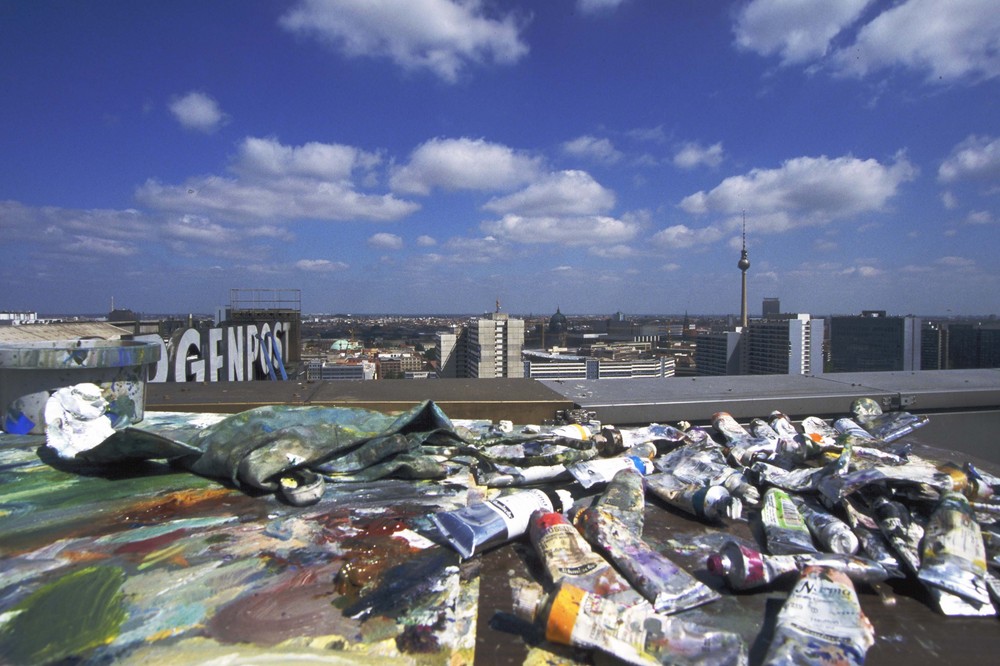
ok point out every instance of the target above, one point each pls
(254, 448)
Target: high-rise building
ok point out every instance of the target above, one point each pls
(447, 351)
(493, 347)
(718, 354)
(874, 342)
(771, 307)
(973, 346)
(783, 345)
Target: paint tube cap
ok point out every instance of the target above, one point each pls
(719, 564)
(528, 598)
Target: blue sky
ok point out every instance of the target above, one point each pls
(416, 156)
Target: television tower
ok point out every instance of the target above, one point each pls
(744, 265)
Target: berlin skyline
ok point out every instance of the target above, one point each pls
(431, 156)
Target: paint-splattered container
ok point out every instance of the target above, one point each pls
(31, 371)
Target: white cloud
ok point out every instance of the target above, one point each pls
(957, 263)
(612, 251)
(597, 6)
(592, 148)
(805, 191)
(980, 217)
(948, 200)
(797, 30)
(692, 155)
(193, 228)
(426, 241)
(563, 193)
(442, 36)
(198, 111)
(276, 182)
(386, 241)
(587, 230)
(464, 164)
(320, 265)
(476, 250)
(949, 41)
(332, 162)
(977, 157)
(681, 236)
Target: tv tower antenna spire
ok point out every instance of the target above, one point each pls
(744, 265)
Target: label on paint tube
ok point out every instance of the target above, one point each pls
(785, 530)
(601, 470)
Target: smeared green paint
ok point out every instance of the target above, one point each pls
(66, 618)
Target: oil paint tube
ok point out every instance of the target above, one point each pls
(821, 622)
(566, 556)
(953, 553)
(634, 635)
(473, 528)
(744, 448)
(784, 529)
(746, 568)
(598, 471)
(504, 476)
(830, 532)
(613, 526)
(709, 503)
(887, 427)
(701, 465)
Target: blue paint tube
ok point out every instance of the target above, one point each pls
(478, 526)
(821, 623)
(598, 471)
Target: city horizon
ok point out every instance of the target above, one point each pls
(433, 156)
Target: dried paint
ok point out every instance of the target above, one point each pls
(953, 556)
(65, 618)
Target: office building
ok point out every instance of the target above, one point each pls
(783, 345)
(874, 342)
(493, 347)
(717, 354)
(771, 307)
(971, 346)
(544, 365)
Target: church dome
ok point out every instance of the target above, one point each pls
(557, 322)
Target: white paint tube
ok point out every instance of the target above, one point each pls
(503, 476)
(953, 554)
(634, 635)
(566, 556)
(478, 526)
(832, 534)
(619, 439)
(572, 431)
(590, 473)
(785, 530)
(709, 503)
(746, 568)
(744, 448)
(821, 622)
(699, 466)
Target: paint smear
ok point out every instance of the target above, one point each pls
(74, 614)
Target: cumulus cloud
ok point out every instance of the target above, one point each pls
(276, 182)
(797, 30)
(485, 249)
(589, 230)
(320, 265)
(975, 158)
(442, 36)
(681, 236)
(198, 111)
(980, 217)
(692, 155)
(592, 148)
(949, 41)
(956, 263)
(426, 241)
(805, 191)
(386, 241)
(597, 6)
(563, 193)
(193, 228)
(464, 164)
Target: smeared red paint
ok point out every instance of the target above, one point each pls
(147, 546)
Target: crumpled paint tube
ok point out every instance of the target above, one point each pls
(745, 568)
(784, 529)
(709, 503)
(821, 622)
(473, 528)
(744, 448)
(703, 464)
(953, 553)
(833, 534)
(502, 476)
(566, 556)
(619, 439)
(870, 538)
(886, 427)
(609, 527)
(634, 635)
(590, 473)
(820, 432)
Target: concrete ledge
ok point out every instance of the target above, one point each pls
(519, 400)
